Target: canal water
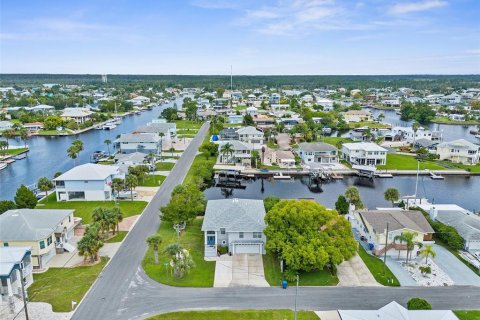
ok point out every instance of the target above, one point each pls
(462, 191)
(48, 155)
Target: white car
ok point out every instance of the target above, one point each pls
(127, 194)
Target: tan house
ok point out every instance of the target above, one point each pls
(46, 231)
(372, 227)
(357, 116)
(79, 115)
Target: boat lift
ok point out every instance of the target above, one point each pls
(365, 171)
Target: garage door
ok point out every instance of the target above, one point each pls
(248, 248)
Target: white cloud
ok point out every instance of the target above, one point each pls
(408, 7)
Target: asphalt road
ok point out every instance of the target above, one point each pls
(123, 291)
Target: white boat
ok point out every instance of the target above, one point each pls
(3, 165)
(109, 126)
(280, 176)
(477, 136)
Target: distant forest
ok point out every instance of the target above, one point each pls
(420, 82)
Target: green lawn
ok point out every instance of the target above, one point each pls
(446, 120)
(118, 237)
(200, 166)
(274, 277)
(83, 209)
(236, 315)
(334, 140)
(405, 162)
(61, 286)
(164, 166)
(191, 239)
(53, 132)
(375, 265)
(450, 165)
(181, 136)
(152, 180)
(188, 124)
(467, 314)
(187, 131)
(13, 152)
(370, 124)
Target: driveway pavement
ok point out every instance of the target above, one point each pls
(240, 270)
(354, 272)
(402, 275)
(454, 268)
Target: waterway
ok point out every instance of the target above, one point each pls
(462, 191)
(48, 155)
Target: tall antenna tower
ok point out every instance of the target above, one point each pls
(231, 78)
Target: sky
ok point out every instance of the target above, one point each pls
(272, 37)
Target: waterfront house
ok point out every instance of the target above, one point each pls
(138, 142)
(235, 119)
(263, 121)
(274, 98)
(228, 134)
(459, 151)
(237, 224)
(409, 135)
(168, 129)
(15, 267)
(317, 152)
(33, 127)
(79, 115)
(253, 111)
(130, 159)
(283, 158)
(394, 311)
(251, 135)
(426, 143)
(357, 116)
(5, 125)
(240, 155)
(139, 100)
(46, 231)
(364, 153)
(87, 182)
(372, 226)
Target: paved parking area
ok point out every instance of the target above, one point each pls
(240, 270)
(354, 272)
(454, 268)
(402, 275)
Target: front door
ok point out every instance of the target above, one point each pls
(211, 240)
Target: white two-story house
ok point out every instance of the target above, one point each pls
(317, 152)
(459, 151)
(241, 153)
(138, 142)
(87, 182)
(251, 135)
(364, 153)
(234, 223)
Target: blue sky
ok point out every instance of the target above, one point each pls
(256, 37)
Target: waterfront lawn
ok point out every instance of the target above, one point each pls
(188, 124)
(13, 152)
(370, 124)
(467, 314)
(406, 162)
(53, 132)
(191, 238)
(61, 286)
(236, 315)
(118, 237)
(83, 209)
(152, 180)
(181, 136)
(446, 120)
(164, 166)
(187, 131)
(335, 141)
(274, 276)
(201, 167)
(375, 265)
(451, 165)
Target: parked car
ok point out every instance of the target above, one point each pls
(127, 194)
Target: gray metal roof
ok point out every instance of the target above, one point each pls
(397, 220)
(235, 215)
(30, 224)
(11, 256)
(138, 138)
(135, 157)
(316, 146)
(467, 225)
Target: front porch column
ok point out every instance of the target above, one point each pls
(9, 287)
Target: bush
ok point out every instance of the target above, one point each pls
(448, 234)
(290, 275)
(222, 249)
(418, 304)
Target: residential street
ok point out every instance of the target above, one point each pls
(123, 291)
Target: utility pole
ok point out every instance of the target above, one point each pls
(23, 294)
(296, 293)
(385, 253)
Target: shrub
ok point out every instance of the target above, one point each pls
(418, 304)
(222, 249)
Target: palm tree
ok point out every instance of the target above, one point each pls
(131, 182)
(90, 244)
(72, 152)
(117, 217)
(392, 195)
(227, 149)
(161, 142)
(24, 136)
(151, 157)
(415, 127)
(408, 238)
(3, 146)
(428, 252)
(44, 184)
(172, 149)
(108, 142)
(100, 216)
(8, 134)
(181, 261)
(353, 196)
(154, 242)
(117, 185)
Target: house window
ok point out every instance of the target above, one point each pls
(240, 235)
(74, 195)
(49, 240)
(222, 230)
(5, 244)
(42, 244)
(257, 235)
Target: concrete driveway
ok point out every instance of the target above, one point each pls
(354, 272)
(240, 270)
(454, 268)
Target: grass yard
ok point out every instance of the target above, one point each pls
(152, 180)
(375, 265)
(404, 162)
(187, 131)
(335, 141)
(201, 167)
(164, 166)
(191, 239)
(118, 237)
(236, 315)
(451, 165)
(83, 209)
(370, 124)
(13, 152)
(53, 132)
(181, 136)
(274, 277)
(467, 314)
(188, 124)
(52, 287)
(446, 120)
